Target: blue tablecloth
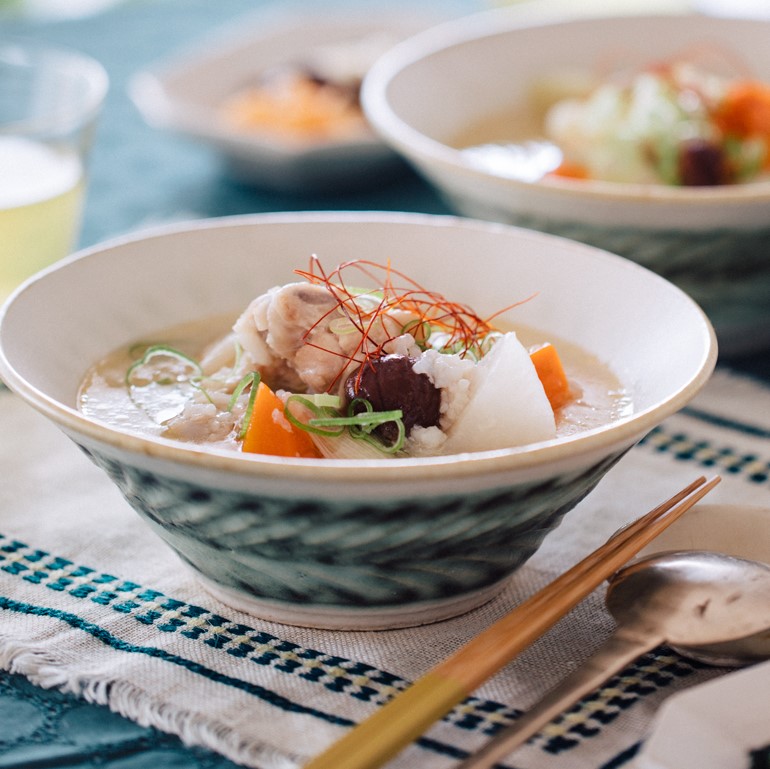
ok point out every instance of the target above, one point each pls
(140, 176)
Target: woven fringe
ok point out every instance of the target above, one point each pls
(44, 669)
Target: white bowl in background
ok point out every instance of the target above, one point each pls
(184, 94)
(714, 242)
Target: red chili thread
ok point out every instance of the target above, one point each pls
(465, 329)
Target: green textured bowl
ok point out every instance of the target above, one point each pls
(353, 543)
(713, 242)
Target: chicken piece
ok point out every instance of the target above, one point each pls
(250, 332)
(299, 331)
(200, 423)
(296, 323)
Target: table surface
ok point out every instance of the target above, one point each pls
(140, 177)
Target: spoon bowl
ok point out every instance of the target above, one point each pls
(708, 606)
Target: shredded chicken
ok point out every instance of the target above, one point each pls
(290, 333)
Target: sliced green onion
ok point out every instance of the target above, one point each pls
(371, 419)
(363, 435)
(421, 331)
(367, 421)
(203, 390)
(320, 412)
(325, 400)
(162, 350)
(456, 348)
(342, 326)
(238, 354)
(366, 296)
(138, 347)
(326, 420)
(252, 379)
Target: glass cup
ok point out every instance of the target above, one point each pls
(49, 101)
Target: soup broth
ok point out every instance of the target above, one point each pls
(597, 396)
(673, 122)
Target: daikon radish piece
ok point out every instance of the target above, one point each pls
(508, 406)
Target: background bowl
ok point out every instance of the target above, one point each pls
(713, 242)
(185, 94)
(348, 543)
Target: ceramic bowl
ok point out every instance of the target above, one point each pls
(184, 94)
(427, 92)
(723, 722)
(353, 543)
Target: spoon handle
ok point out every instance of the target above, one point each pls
(626, 644)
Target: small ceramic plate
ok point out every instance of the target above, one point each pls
(719, 723)
(185, 95)
(738, 530)
(712, 726)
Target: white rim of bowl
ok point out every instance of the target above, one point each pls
(411, 142)
(604, 439)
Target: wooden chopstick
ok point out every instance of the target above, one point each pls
(404, 718)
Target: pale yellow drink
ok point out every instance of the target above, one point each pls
(41, 195)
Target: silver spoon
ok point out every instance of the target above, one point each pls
(698, 602)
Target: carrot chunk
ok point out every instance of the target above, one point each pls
(551, 374)
(269, 432)
(570, 170)
(745, 111)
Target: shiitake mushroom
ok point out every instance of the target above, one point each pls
(390, 382)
